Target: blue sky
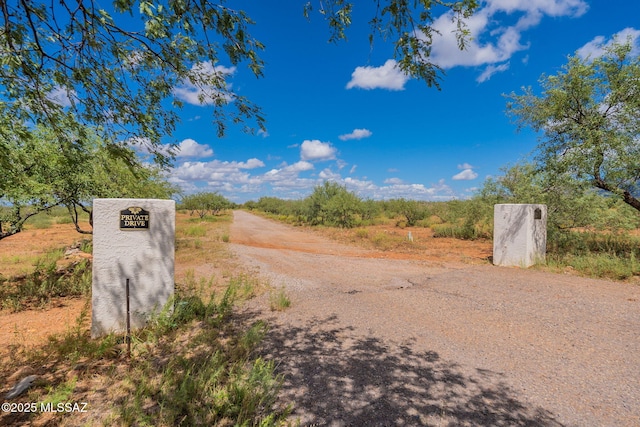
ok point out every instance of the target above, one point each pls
(343, 112)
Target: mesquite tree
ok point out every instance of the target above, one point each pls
(589, 116)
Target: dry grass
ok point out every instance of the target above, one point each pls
(73, 367)
(278, 300)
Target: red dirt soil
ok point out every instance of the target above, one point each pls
(32, 327)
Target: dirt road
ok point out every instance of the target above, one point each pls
(378, 342)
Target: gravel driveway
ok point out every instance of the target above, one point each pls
(379, 342)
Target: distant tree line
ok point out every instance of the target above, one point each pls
(331, 204)
(203, 203)
(571, 205)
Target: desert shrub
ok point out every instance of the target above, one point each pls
(362, 233)
(585, 243)
(429, 221)
(65, 220)
(382, 241)
(462, 219)
(204, 203)
(46, 282)
(212, 379)
(369, 210)
(600, 265)
(333, 204)
(86, 246)
(272, 205)
(570, 203)
(342, 209)
(278, 300)
(411, 211)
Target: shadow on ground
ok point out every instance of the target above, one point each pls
(336, 378)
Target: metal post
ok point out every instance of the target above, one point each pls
(128, 339)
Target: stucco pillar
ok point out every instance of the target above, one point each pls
(519, 234)
(132, 239)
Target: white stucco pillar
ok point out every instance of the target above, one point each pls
(132, 239)
(519, 234)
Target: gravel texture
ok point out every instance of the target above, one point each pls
(381, 342)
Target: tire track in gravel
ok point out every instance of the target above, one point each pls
(372, 341)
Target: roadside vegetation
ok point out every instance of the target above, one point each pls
(589, 232)
(196, 364)
(193, 365)
(278, 300)
(585, 169)
(205, 203)
(29, 281)
(48, 281)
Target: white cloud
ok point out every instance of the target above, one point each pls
(288, 172)
(244, 180)
(198, 90)
(465, 166)
(593, 49)
(317, 150)
(215, 171)
(393, 181)
(190, 148)
(341, 164)
(491, 70)
(439, 191)
(62, 96)
(465, 175)
(286, 180)
(251, 164)
(356, 134)
(597, 47)
(301, 166)
(446, 54)
(263, 133)
(360, 186)
(144, 146)
(546, 7)
(393, 188)
(353, 169)
(329, 175)
(490, 42)
(234, 180)
(387, 76)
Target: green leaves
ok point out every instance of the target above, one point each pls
(45, 172)
(70, 66)
(205, 202)
(120, 65)
(333, 204)
(407, 24)
(589, 114)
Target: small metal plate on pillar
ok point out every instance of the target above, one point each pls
(134, 218)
